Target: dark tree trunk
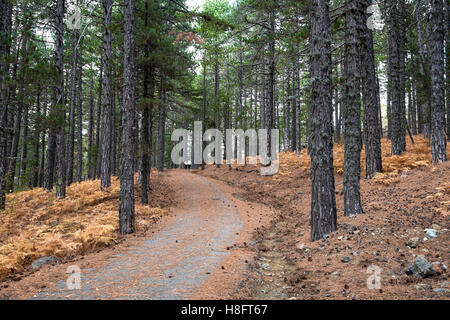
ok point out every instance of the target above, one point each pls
(389, 83)
(107, 98)
(397, 66)
(13, 152)
(216, 99)
(145, 148)
(5, 18)
(73, 103)
(439, 151)
(227, 111)
(145, 137)
(269, 112)
(98, 156)
(126, 196)
(34, 181)
(162, 121)
(262, 111)
(413, 105)
(113, 133)
(59, 103)
(447, 63)
(352, 114)
(91, 165)
(337, 125)
(79, 171)
(423, 91)
(24, 150)
(42, 161)
(294, 115)
(287, 113)
(369, 86)
(161, 129)
(323, 203)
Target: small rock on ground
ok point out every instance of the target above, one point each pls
(39, 263)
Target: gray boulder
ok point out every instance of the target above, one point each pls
(39, 263)
(420, 267)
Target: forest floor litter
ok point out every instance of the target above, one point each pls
(190, 252)
(265, 251)
(407, 210)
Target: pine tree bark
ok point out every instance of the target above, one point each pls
(269, 110)
(323, 203)
(126, 195)
(107, 98)
(73, 102)
(34, 181)
(447, 63)
(98, 156)
(352, 114)
(5, 19)
(439, 143)
(79, 171)
(397, 73)
(145, 130)
(162, 130)
(13, 151)
(59, 103)
(423, 91)
(43, 146)
(370, 100)
(24, 150)
(91, 165)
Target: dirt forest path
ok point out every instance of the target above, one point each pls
(189, 256)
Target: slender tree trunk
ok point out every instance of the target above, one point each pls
(73, 103)
(145, 138)
(447, 63)
(162, 129)
(113, 133)
(79, 171)
(106, 101)
(13, 153)
(423, 98)
(49, 171)
(397, 72)
(126, 196)
(162, 112)
(5, 18)
(287, 112)
(413, 105)
(34, 181)
(42, 161)
(59, 103)
(369, 86)
(337, 126)
(294, 114)
(439, 151)
(262, 111)
(323, 203)
(352, 114)
(269, 116)
(227, 112)
(389, 83)
(24, 150)
(216, 98)
(98, 155)
(91, 166)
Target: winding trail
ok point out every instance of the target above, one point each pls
(174, 261)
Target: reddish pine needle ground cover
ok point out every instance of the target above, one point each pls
(410, 196)
(35, 224)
